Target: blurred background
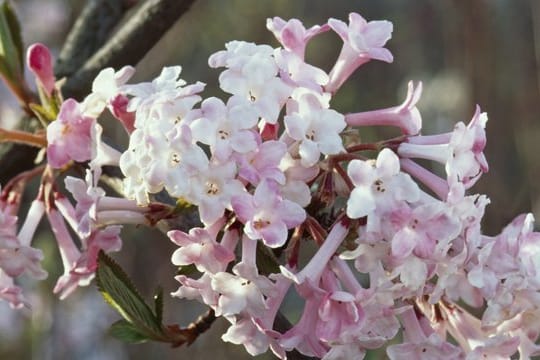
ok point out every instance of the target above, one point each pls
(484, 52)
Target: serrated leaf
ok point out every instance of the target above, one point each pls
(158, 304)
(118, 290)
(123, 330)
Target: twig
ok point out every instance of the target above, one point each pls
(91, 30)
(129, 45)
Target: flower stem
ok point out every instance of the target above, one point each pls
(22, 137)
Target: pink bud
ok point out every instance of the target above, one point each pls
(118, 107)
(39, 60)
(269, 131)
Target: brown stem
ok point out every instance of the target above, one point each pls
(344, 176)
(130, 43)
(362, 147)
(22, 137)
(92, 29)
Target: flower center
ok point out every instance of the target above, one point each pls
(175, 159)
(379, 186)
(260, 224)
(212, 188)
(223, 134)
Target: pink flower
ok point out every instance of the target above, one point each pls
(251, 77)
(16, 254)
(302, 335)
(69, 137)
(292, 34)
(10, 292)
(199, 289)
(460, 150)
(200, 248)
(405, 116)
(19, 259)
(224, 130)
(68, 282)
(316, 128)
(263, 163)
(378, 185)
(339, 312)
(245, 332)
(212, 190)
(237, 294)
(429, 228)
(296, 73)
(421, 343)
(106, 88)
(267, 215)
(362, 41)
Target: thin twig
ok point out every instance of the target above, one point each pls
(130, 43)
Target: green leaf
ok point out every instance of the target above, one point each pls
(11, 47)
(118, 290)
(123, 330)
(158, 303)
(44, 116)
(16, 33)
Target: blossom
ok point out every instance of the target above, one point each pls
(362, 41)
(460, 150)
(295, 72)
(237, 294)
(165, 97)
(212, 190)
(263, 163)
(201, 249)
(420, 343)
(430, 227)
(267, 215)
(292, 34)
(314, 127)
(224, 130)
(245, 332)
(251, 77)
(378, 184)
(106, 90)
(10, 292)
(405, 116)
(17, 256)
(69, 136)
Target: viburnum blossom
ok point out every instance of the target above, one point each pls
(380, 251)
(362, 41)
(315, 127)
(69, 136)
(267, 215)
(379, 185)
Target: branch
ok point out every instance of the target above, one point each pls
(91, 30)
(129, 45)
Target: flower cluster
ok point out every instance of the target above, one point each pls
(399, 248)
